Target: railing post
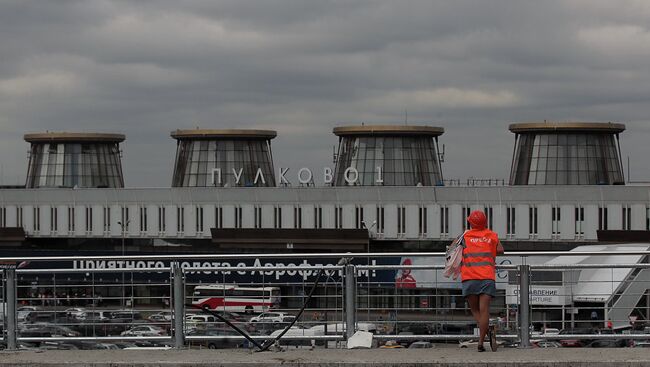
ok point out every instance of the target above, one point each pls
(524, 306)
(179, 305)
(11, 308)
(350, 300)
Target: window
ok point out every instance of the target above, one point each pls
(488, 213)
(510, 221)
(358, 217)
(71, 219)
(579, 219)
(465, 212)
(230, 162)
(199, 219)
(555, 220)
(3, 217)
(218, 217)
(602, 218)
(180, 223)
(74, 164)
(37, 219)
(566, 159)
(19, 216)
(444, 221)
(54, 219)
(338, 217)
(258, 216)
(532, 221)
(277, 217)
(627, 218)
(318, 217)
(162, 220)
(389, 161)
(107, 219)
(647, 219)
(143, 219)
(401, 220)
(238, 217)
(297, 217)
(380, 219)
(125, 219)
(89, 219)
(422, 221)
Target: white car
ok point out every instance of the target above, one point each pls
(76, 312)
(144, 330)
(25, 313)
(200, 318)
(161, 316)
(270, 317)
(298, 331)
(338, 328)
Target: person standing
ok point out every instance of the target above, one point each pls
(478, 273)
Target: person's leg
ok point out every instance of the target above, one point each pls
(474, 306)
(484, 316)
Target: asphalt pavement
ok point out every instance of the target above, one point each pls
(446, 356)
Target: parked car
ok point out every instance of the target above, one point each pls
(26, 313)
(420, 344)
(200, 319)
(474, 343)
(162, 316)
(144, 330)
(545, 344)
(299, 330)
(214, 342)
(608, 343)
(46, 331)
(270, 317)
(75, 312)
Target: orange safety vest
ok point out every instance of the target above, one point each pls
(479, 255)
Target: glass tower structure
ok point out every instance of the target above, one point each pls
(387, 155)
(569, 153)
(224, 158)
(74, 160)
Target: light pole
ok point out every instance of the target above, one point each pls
(374, 223)
(124, 226)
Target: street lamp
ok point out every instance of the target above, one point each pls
(374, 223)
(124, 226)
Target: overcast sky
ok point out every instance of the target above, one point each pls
(145, 68)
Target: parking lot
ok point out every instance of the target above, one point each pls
(60, 328)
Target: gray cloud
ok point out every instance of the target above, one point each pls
(145, 68)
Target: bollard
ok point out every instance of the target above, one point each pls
(524, 306)
(179, 305)
(350, 300)
(11, 308)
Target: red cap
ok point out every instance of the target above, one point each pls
(477, 219)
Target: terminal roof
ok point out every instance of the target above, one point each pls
(66, 137)
(594, 127)
(223, 134)
(388, 130)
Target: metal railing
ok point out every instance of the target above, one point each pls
(354, 296)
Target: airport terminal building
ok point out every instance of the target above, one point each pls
(386, 192)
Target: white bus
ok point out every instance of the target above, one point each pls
(233, 298)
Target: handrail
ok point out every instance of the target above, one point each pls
(309, 255)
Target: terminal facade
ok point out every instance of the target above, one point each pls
(386, 194)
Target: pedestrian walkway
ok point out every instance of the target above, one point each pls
(446, 356)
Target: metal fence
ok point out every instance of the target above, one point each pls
(119, 301)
